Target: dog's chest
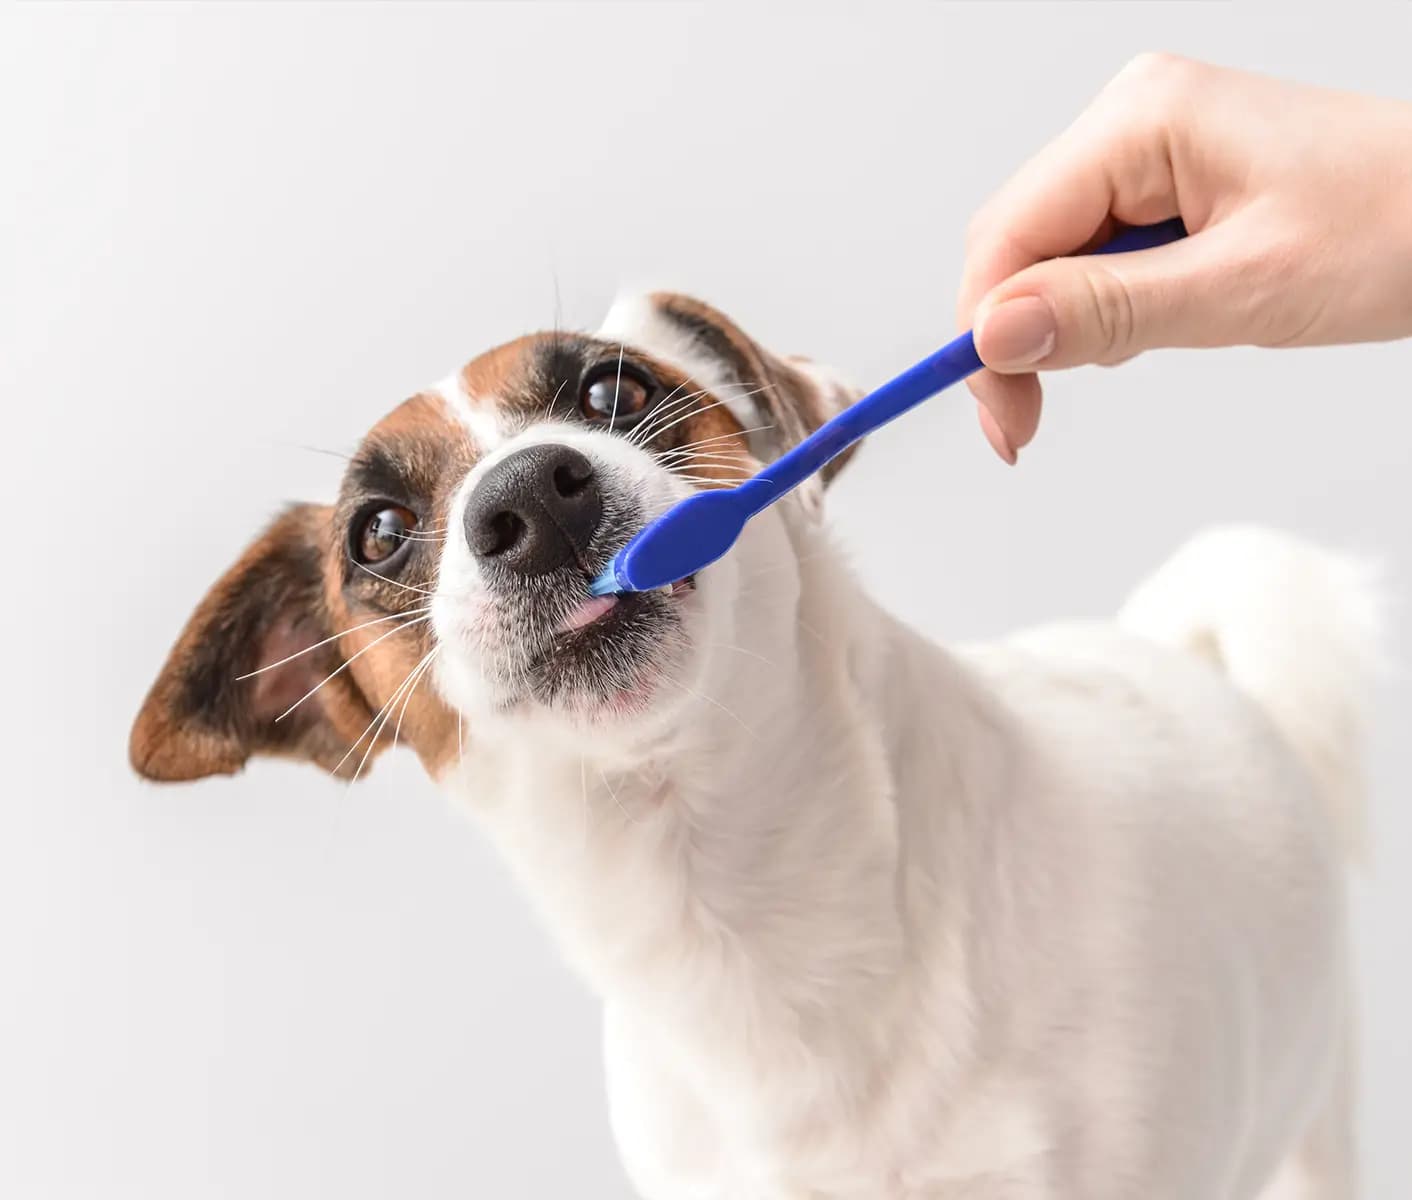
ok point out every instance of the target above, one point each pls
(992, 1140)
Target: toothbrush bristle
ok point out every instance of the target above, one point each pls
(606, 583)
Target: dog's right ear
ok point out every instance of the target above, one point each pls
(201, 718)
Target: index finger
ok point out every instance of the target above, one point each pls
(1111, 163)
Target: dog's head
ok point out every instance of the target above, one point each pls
(448, 585)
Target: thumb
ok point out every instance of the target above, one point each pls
(1106, 308)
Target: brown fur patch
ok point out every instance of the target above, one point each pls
(200, 718)
(416, 456)
(713, 450)
(500, 376)
(404, 709)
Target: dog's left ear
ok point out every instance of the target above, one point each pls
(792, 396)
(212, 707)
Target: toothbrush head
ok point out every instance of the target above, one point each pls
(690, 535)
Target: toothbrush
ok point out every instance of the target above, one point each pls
(698, 530)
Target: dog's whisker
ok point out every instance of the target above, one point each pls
(663, 409)
(722, 437)
(640, 434)
(714, 443)
(696, 413)
(358, 741)
(427, 663)
(709, 462)
(759, 385)
(643, 433)
(395, 583)
(653, 426)
(723, 465)
(684, 408)
(383, 715)
(714, 703)
(617, 386)
(687, 447)
(343, 666)
(331, 638)
(705, 480)
(713, 473)
(717, 479)
(741, 650)
(319, 450)
(756, 384)
(663, 402)
(611, 792)
(554, 399)
(691, 456)
(420, 531)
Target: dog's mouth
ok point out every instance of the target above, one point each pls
(603, 653)
(546, 640)
(597, 610)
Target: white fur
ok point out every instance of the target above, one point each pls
(1059, 918)
(1220, 595)
(476, 414)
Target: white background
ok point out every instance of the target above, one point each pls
(231, 233)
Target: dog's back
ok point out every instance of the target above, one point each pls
(1181, 792)
(1295, 628)
(1292, 625)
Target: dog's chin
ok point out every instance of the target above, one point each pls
(603, 660)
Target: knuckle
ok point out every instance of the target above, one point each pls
(1157, 81)
(1112, 316)
(1158, 66)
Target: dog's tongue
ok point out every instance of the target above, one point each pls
(587, 612)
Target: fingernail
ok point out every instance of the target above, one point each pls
(999, 441)
(1017, 333)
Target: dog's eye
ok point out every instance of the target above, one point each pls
(382, 533)
(616, 397)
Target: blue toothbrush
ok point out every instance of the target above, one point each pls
(700, 529)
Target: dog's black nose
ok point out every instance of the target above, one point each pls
(536, 510)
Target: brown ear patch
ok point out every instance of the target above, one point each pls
(201, 718)
(794, 396)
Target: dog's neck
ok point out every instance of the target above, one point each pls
(745, 874)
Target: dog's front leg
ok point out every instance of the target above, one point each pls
(666, 1138)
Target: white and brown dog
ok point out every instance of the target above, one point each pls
(1055, 918)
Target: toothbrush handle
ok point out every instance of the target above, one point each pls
(939, 370)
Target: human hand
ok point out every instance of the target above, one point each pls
(1299, 205)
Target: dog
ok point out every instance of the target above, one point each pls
(1058, 918)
